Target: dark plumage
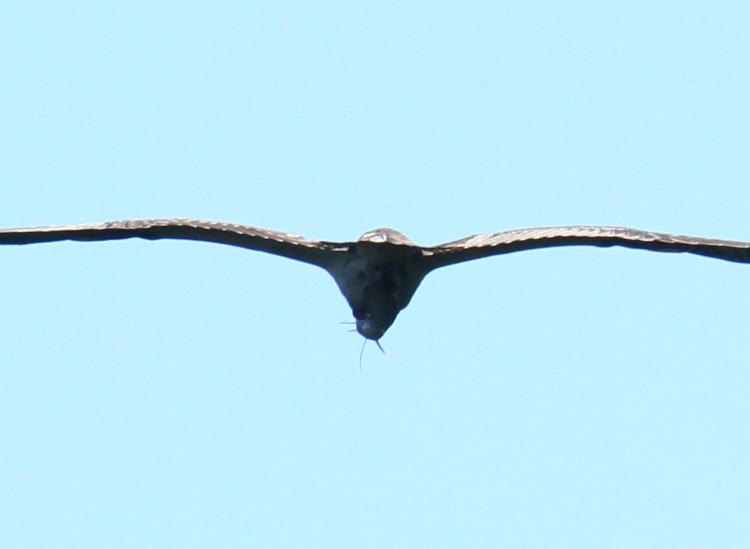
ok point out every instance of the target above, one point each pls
(379, 273)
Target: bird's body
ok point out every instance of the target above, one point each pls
(378, 276)
(379, 273)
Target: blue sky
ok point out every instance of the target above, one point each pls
(177, 394)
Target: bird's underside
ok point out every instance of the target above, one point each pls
(379, 273)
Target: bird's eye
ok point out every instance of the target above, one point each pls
(361, 275)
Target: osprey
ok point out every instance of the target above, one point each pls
(379, 273)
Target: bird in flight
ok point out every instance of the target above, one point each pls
(379, 273)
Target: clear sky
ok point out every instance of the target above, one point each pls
(176, 394)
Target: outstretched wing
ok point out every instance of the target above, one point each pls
(287, 245)
(483, 245)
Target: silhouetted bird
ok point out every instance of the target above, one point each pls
(379, 273)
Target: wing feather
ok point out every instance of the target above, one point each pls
(283, 244)
(483, 245)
